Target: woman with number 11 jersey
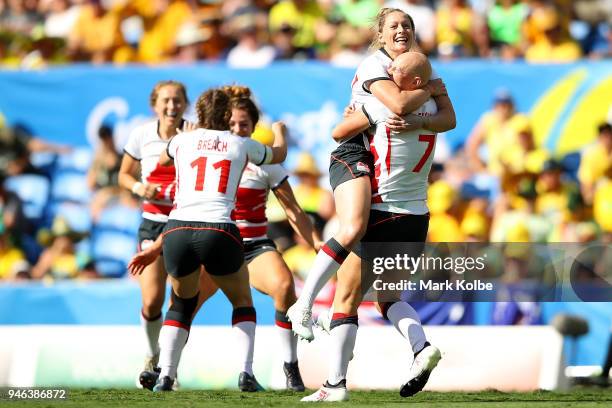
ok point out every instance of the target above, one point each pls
(209, 163)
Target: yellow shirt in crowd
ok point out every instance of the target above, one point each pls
(499, 136)
(595, 164)
(95, 34)
(9, 260)
(305, 21)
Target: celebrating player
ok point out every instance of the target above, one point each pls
(209, 162)
(268, 273)
(157, 187)
(398, 214)
(352, 163)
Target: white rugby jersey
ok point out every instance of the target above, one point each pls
(402, 161)
(209, 166)
(145, 145)
(250, 211)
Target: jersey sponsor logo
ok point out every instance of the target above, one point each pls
(215, 145)
(360, 166)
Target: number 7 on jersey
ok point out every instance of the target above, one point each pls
(431, 141)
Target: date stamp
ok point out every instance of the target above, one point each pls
(22, 393)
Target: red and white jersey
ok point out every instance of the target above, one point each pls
(402, 161)
(209, 166)
(145, 145)
(250, 211)
(373, 68)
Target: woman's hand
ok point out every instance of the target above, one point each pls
(147, 191)
(187, 127)
(348, 111)
(141, 260)
(409, 122)
(436, 87)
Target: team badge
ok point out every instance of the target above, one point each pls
(363, 167)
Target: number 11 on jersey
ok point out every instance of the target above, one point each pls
(200, 164)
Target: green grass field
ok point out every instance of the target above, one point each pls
(582, 398)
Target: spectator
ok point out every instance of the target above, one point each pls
(304, 15)
(12, 218)
(162, 20)
(299, 258)
(556, 198)
(61, 17)
(495, 130)
(459, 30)
(596, 163)
(250, 52)
(349, 47)
(102, 176)
(16, 144)
(217, 45)
(505, 20)
(522, 158)
(96, 36)
(424, 20)
(60, 259)
(443, 227)
(12, 260)
(314, 199)
(602, 210)
(189, 43)
(555, 45)
(285, 48)
(358, 13)
(20, 16)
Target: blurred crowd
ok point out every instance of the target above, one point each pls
(254, 33)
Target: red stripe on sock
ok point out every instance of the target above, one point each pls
(284, 325)
(330, 252)
(337, 316)
(176, 324)
(241, 319)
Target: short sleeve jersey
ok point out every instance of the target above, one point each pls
(145, 145)
(209, 166)
(402, 161)
(250, 211)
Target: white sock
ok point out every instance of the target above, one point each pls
(287, 344)
(172, 340)
(342, 343)
(151, 329)
(323, 268)
(407, 322)
(244, 332)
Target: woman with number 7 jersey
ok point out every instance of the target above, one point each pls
(209, 162)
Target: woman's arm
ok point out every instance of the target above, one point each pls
(127, 180)
(296, 216)
(444, 120)
(398, 101)
(279, 148)
(351, 126)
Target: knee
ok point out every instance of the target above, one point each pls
(152, 305)
(351, 232)
(284, 294)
